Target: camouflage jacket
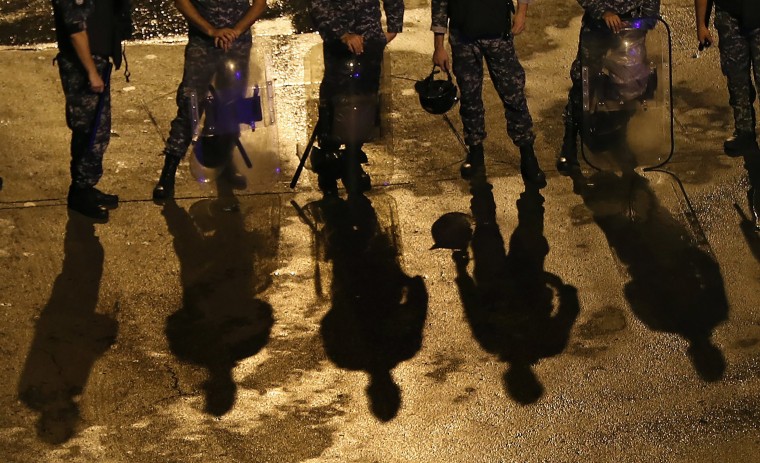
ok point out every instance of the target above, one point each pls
(220, 13)
(640, 8)
(334, 18)
(440, 11)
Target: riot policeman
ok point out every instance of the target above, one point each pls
(218, 32)
(600, 18)
(478, 30)
(89, 35)
(353, 45)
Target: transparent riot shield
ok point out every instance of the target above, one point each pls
(235, 136)
(627, 99)
(348, 107)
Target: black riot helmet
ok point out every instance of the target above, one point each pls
(437, 96)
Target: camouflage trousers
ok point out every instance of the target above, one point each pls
(739, 58)
(87, 149)
(205, 64)
(508, 77)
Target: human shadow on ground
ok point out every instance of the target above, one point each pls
(378, 312)
(221, 321)
(515, 308)
(674, 286)
(69, 336)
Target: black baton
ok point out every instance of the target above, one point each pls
(101, 103)
(304, 157)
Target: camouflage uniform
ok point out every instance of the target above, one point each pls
(739, 53)
(105, 34)
(507, 75)
(334, 18)
(593, 23)
(202, 61)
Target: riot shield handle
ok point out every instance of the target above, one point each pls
(249, 109)
(241, 149)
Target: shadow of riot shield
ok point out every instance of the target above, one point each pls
(348, 103)
(627, 95)
(234, 124)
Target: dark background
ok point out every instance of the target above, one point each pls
(31, 22)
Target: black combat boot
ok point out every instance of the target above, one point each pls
(327, 160)
(355, 179)
(165, 187)
(84, 200)
(529, 168)
(567, 160)
(328, 185)
(106, 200)
(234, 178)
(327, 163)
(740, 143)
(473, 163)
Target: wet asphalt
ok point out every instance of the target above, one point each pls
(606, 317)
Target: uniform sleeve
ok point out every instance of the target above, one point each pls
(327, 19)
(595, 8)
(650, 8)
(440, 19)
(394, 15)
(74, 14)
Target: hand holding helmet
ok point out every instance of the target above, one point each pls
(437, 96)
